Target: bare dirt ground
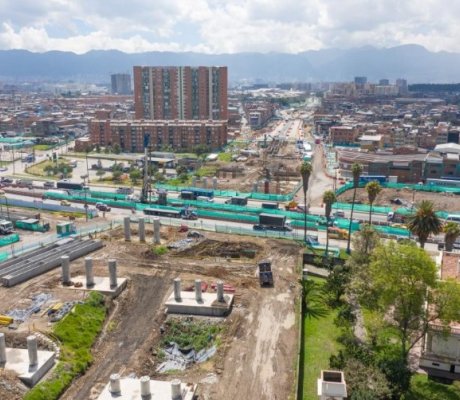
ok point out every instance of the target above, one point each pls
(256, 357)
(442, 201)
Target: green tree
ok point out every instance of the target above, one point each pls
(452, 232)
(356, 170)
(424, 222)
(201, 150)
(49, 169)
(336, 283)
(98, 148)
(100, 173)
(329, 199)
(116, 175)
(116, 148)
(373, 189)
(180, 169)
(305, 171)
(314, 300)
(159, 177)
(404, 279)
(135, 175)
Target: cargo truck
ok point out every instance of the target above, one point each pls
(272, 222)
(265, 273)
(237, 201)
(6, 227)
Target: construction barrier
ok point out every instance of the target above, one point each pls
(393, 185)
(6, 240)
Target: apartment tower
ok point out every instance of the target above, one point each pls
(180, 93)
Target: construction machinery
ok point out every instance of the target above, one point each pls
(265, 273)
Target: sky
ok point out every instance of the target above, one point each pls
(227, 26)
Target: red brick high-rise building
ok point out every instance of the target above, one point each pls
(181, 93)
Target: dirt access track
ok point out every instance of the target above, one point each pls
(257, 354)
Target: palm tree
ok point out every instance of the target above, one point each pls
(424, 222)
(373, 189)
(329, 199)
(305, 171)
(452, 231)
(356, 170)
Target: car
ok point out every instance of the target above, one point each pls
(396, 201)
(48, 185)
(339, 214)
(6, 180)
(65, 203)
(194, 234)
(102, 207)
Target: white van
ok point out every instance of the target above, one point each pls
(205, 198)
(453, 218)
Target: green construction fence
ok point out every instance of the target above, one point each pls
(6, 240)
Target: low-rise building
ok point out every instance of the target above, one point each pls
(342, 135)
(135, 135)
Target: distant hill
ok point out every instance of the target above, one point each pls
(412, 62)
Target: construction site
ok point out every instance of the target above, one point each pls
(185, 313)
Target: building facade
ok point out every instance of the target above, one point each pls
(121, 83)
(180, 93)
(135, 135)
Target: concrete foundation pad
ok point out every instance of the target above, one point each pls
(130, 389)
(209, 305)
(17, 360)
(101, 284)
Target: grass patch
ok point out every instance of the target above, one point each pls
(197, 335)
(226, 157)
(159, 250)
(42, 147)
(41, 169)
(206, 171)
(77, 333)
(421, 388)
(319, 343)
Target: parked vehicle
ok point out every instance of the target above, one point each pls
(337, 233)
(339, 214)
(48, 185)
(270, 206)
(6, 227)
(65, 203)
(66, 184)
(272, 222)
(7, 181)
(103, 207)
(24, 183)
(238, 201)
(205, 198)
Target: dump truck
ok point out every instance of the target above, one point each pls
(265, 273)
(272, 222)
(337, 233)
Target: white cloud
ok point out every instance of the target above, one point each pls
(219, 26)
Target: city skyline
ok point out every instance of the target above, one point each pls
(217, 27)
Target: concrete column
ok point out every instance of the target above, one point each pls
(89, 271)
(2, 349)
(205, 182)
(127, 228)
(175, 389)
(141, 229)
(266, 186)
(145, 386)
(113, 273)
(65, 264)
(198, 294)
(214, 183)
(255, 187)
(177, 289)
(32, 348)
(220, 291)
(115, 384)
(156, 230)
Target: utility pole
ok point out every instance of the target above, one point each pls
(145, 185)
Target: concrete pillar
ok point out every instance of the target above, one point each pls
(127, 228)
(266, 186)
(2, 349)
(115, 384)
(145, 386)
(32, 348)
(255, 187)
(156, 230)
(175, 389)
(214, 183)
(177, 289)
(89, 271)
(113, 273)
(141, 229)
(205, 182)
(65, 264)
(198, 294)
(220, 291)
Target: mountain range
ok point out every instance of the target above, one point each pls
(412, 62)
